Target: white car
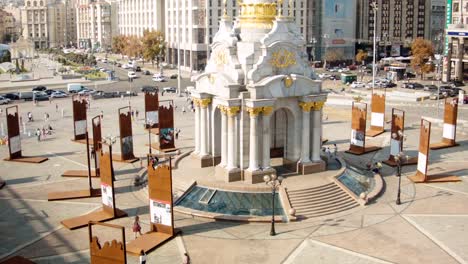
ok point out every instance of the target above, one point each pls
(4, 100)
(158, 78)
(131, 74)
(126, 66)
(358, 85)
(324, 76)
(58, 94)
(86, 91)
(104, 60)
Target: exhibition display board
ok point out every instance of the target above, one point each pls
(166, 128)
(160, 208)
(97, 141)
(79, 118)
(377, 126)
(126, 136)
(397, 138)
(151, 111)
(358, 130)
(109, 210)
(113, 252)
(76, 194)
(14, 138)
(450, 125)
(421, 175)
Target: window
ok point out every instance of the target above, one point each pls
(456, 7)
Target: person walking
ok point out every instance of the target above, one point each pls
(186, 259)
(142, 257)
(56, 108)
(183, 109)
(136, 226)
(136, 113)
(38, 134)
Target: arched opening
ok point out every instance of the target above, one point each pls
(216, 136)
(282, 127)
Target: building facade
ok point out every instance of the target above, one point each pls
(256, 101)
(192, 25)
(456, 60)
(437, 24)
(96, 24)
(7, 27)
(398, 23)
(136, 16)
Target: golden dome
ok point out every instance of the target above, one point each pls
(257, 13)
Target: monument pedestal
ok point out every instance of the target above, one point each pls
(257, 175)
(311, 167)
(205, 161)
(227, 175)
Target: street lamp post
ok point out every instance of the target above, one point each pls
(274, 182)
(313, 41)
(325, 37)
(374, 57)
(399, 160)
(149, 124)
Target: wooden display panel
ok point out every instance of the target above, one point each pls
(358, 130)
(109, 253)
(90, 192)
(97, 141)
(397, 139)
(79, 119)
(161, 210)
(152, 111)
(449, 130)
(126, 136)
(166, 129)
(14, 138)
(421, 175)
(377, 115)
(17, 260)
(109, 210)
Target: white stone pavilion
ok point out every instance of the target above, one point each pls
(257, 99)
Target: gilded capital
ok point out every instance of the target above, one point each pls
(232, 110)
(306, 106)
(222, 109)
(318, 106)
(205, 102)
(254, 111)
(267, 110)
(196, 101)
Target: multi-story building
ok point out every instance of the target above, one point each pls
(456, 60)
(135, 16)
(7, 27)
(398, 23)
(95, 25)
(437, 24)
(35, 22)
(193, 24)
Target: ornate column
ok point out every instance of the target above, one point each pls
(253, 140)
(267, 110)
(224, 135)
(305, 145)
(196, 104)
(231, 147)
(317, 130)
(204, 131)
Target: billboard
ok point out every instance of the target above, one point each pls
(338, 23)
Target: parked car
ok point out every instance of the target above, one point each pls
(27, 96)
(430, 87)
(150, 89)
(358, 85)
(324, 75)
(40, 96)
(126, 66)
(12, 96)
(456, 90)
(146, 72)
(4, 100)
(456, 83)
(131, 74)
(39, 89)
(170, 89)
(75, 87)
(138, 69)
(158, 78)
(49, 91)
(434, 96)
(414, 86)
(58, 94)
(86, 91)
(102, 94)
(174, 76)
(104, 60)
(118, 64)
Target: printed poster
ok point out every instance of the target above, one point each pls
(422, 163)
(377, 119)
(160, 212)
(166, 138)
(106, 195)
(80, 127)
(15, 144)
(127, 145)
(395, 147)
(152, 117)
(357, 138)
(449, 131)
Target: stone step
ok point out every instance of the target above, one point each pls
(324, 206)
(324, 213)
(306, 200)
(321, 193)
(316, 188)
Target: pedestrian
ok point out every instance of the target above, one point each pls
(1, 111)
(136, 227)
(335, 150)
(177, 134)
(50, 99)
(93, 153)
(183, 110)
(43, 133)
(56, 108)
(38, 134)
(162, 93)
(186, 259)
(142, 257)
(136, 113)
(102, 114)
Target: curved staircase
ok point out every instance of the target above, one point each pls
(320, 201)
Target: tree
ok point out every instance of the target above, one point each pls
(422, 51)
(153, 46)
(361, 56)
(118, 44)
(332, 55)
(133, 47)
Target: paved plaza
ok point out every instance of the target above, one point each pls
(430, 226)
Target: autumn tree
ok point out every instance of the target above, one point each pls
(422, 51)
(133, 47)
(361, 56)
(118, 44)
(153, 46)
(332, 55)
